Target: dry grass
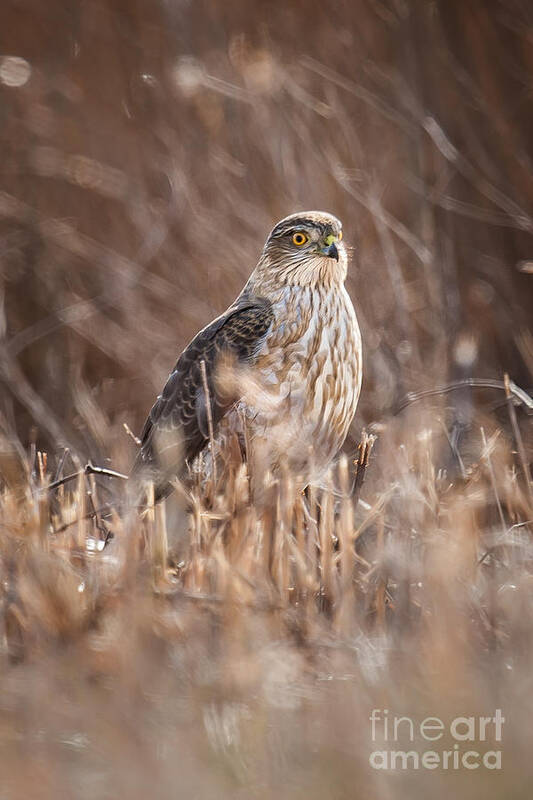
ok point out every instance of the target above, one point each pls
(231, 648)
(216, 647)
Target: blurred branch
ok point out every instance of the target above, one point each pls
(520, 397)
(475, 177)
(518, 435)
(368, 97)
(65, 236)
(15, 380)
(514, 214)
(374, 207)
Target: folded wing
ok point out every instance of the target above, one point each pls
(177, 428)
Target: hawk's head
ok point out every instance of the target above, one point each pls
(305, 248)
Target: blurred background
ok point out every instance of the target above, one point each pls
(148, 147)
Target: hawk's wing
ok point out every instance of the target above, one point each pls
(180, 413)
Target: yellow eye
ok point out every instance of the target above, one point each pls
(339, 237)
(299, 238)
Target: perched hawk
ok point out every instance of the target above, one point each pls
(292, 344)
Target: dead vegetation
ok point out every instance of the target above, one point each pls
(209, 630)
(213, 647)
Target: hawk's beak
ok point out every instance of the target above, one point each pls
(330, 249)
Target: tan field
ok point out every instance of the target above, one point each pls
(246, 639)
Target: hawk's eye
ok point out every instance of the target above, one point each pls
(299, 238)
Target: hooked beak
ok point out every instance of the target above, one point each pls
(331, 251)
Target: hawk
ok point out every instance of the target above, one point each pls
(292, 344)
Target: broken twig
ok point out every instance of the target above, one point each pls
(89, 469)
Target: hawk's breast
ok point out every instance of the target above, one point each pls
(310, 365)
